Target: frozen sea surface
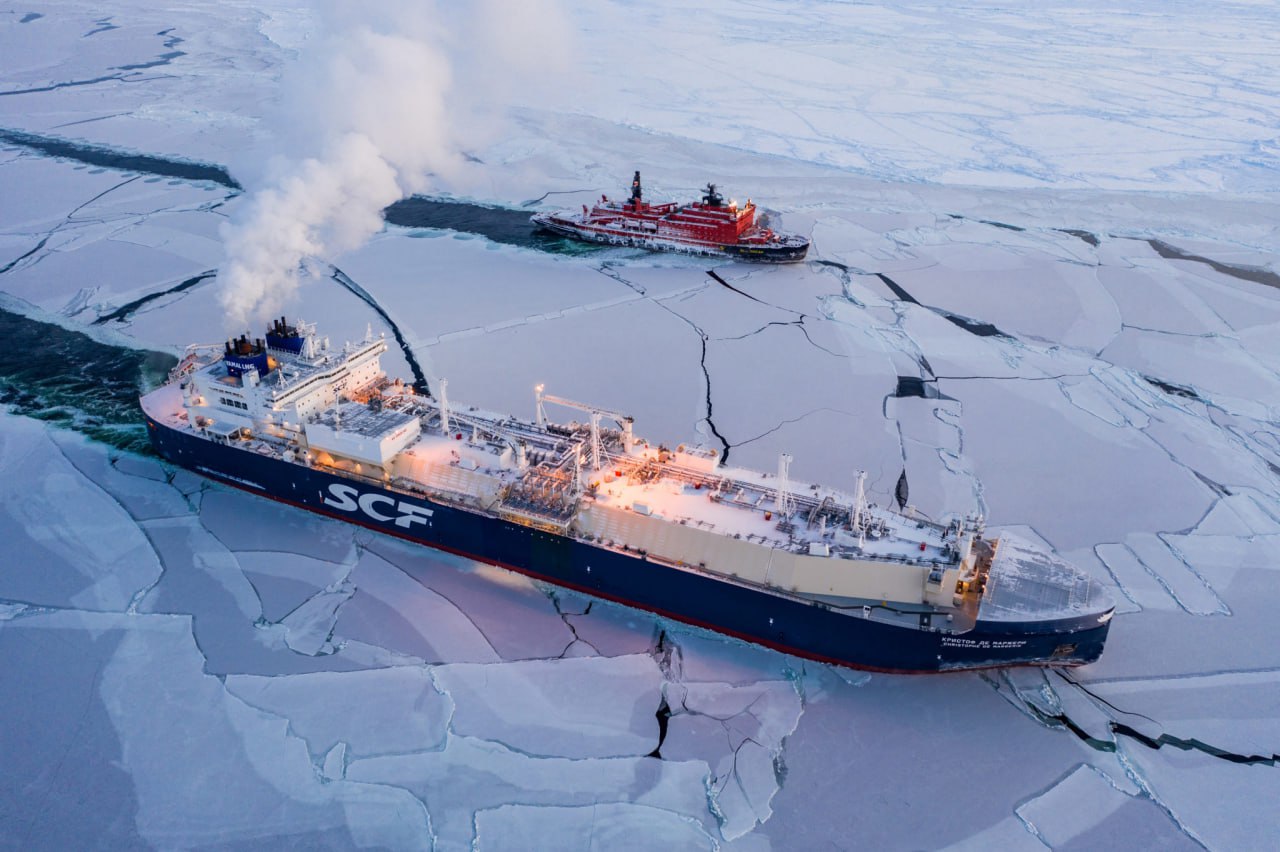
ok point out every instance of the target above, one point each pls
(1044, 283)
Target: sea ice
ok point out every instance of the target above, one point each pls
(390, 610)
(242, 776)
(604, 826)
(469, 776)
(374, 712)
(70, 543)
(510, 612)
(576, 707)
(981, 161)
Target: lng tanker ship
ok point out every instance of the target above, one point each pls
(709, 227)
(802, 568)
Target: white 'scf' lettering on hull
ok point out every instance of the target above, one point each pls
(380, 507)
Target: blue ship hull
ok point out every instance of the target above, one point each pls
(791, 625)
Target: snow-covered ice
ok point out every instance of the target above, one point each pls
(1044, 283)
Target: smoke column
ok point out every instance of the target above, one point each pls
(382, 99)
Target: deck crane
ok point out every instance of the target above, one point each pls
(596, 413)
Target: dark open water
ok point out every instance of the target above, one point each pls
(69, 379)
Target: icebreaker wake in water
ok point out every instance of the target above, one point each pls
(804, 569)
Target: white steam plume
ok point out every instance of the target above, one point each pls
(381, 99)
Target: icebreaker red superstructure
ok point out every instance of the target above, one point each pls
(804, 568)
(711, 226)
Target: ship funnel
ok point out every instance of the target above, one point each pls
(284, 337)
(636, 191)
(244, 356)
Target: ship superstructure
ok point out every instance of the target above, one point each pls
(711, 226)
(801, 567)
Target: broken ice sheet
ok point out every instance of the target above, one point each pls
(1179, 578)
(374, 712)
(1008, 835)
(203, 578)
(575, 707)
(1227, 451)
(953, 352)
(63, 785)
(740, 369)
(739, 731)
(1246, 306)
(241, 775)
(1020, 293)
(850, 743)
(50, 190)
(284, 581)
(70, 542)
(476, 286)
(1217, 804)
(612, 630)
(511, 612)
(54, 277)
(1232, 712)
(1156, 296)
(309, 629)
(743, 789)
(1214, 367)
(606, 826)
(724, 314)
(1107, 393)
(703, 655)
(1227, 560)
(249, 522)
(668, 404)
(130, 479)
(470, 775)
(941, 481)
(1090, 465)
(1074, 805)
(1225, 571)
(390, 610)
(766, 711)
